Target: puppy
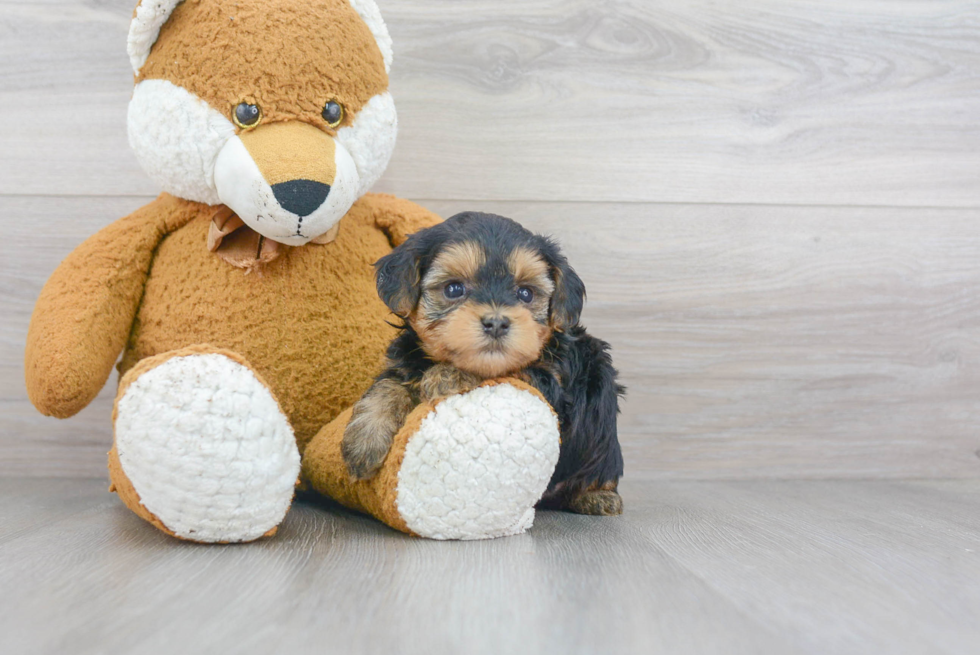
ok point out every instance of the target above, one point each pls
(481, 297)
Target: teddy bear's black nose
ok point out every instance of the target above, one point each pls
(301, 197)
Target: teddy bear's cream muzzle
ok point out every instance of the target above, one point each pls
(290, 182)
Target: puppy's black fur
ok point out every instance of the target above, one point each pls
(573, 370)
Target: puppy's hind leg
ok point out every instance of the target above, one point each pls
(591, 460)
(597, 500)
(378, 415)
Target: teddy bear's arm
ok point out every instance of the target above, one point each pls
(399, 218)
(86, 309)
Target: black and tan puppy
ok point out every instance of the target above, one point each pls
(481, 297)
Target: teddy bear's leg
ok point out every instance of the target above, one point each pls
(202, 449)
(471, 466)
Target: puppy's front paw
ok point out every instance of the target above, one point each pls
(598, 502)
(444, 380)
(377, 417)
(364, 447)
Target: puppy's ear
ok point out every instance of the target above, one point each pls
(399, 275)
(569, 296)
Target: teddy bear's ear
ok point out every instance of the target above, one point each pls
(371, 15)
(150, 16)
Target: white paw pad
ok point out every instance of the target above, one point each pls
(207, 449)
(478, 464)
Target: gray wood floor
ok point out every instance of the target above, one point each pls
(755, 567)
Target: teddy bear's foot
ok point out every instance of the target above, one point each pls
(471, 466)
(478, 464)
(202, 449)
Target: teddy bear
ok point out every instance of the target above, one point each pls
(242, 300)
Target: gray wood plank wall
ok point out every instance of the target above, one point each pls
(774, 204)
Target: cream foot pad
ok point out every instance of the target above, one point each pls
(478, 464)
(206, 448)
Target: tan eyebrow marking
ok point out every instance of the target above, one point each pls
(459, 260)
(528, 267)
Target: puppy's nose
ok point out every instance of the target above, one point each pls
(301, 197)
(495, 326)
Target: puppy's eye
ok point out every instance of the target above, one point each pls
(454, 290)
(333, 113)
(247, 115)
(525, 294)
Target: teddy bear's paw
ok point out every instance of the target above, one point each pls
(206, 448)
(478, 464)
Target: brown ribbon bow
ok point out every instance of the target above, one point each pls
(243, 247)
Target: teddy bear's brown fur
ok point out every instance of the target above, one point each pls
(318, 355)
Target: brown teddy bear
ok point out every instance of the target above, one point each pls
(243, 299)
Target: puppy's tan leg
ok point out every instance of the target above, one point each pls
(598, 500)
(378, 415)
(444, 380)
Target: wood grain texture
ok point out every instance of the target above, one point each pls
(867, 102)
(776, 342)
(691, 567)
(845, 566)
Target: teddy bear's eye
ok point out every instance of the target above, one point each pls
(247, 115)
(333, 113)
